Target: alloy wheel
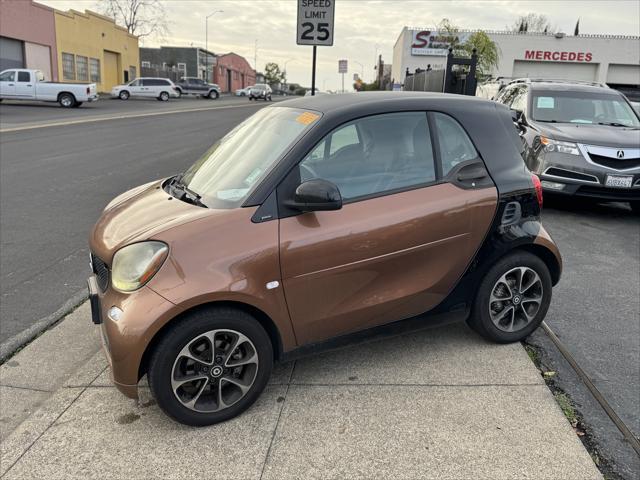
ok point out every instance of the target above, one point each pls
(515, 299)
(214, 370)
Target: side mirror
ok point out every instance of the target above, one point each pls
(316, 195)
(516, 116)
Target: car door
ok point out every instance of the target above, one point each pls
(404, 236)
(8, 84)
(136, 88)
(25, 84)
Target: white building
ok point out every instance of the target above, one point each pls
(611, 59)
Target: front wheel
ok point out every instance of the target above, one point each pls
(123, 95)
(213, 95)
(210, 366)
(66, 100)
(513, 298)
(164, 97)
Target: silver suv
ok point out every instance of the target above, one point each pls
(581, 139)
(260, 91)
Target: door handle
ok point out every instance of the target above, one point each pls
(11, 85)
(29, 85)
(472, 175)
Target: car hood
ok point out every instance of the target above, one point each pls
(139, 215)
(604, 135)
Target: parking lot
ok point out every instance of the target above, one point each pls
(60, 168)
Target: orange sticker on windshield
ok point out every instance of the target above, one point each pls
(307, 118)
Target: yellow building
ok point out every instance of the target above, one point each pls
(93, 49)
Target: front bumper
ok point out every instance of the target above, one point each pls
(573, 175)
(125, 340)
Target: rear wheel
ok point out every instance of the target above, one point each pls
(513, 298)
(77, 104)
(210, 366)
(124, 95)
(66, 100)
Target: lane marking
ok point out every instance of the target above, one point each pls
(120, 117)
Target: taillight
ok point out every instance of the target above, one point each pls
(538, 186)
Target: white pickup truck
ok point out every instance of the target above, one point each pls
(26, 84)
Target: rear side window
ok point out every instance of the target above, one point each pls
(24, 77)
(374, 155)
(455, 145)
(8, 76)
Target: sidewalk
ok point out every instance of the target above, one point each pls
(434, 403)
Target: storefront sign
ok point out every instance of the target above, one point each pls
(426, 42)
(544, 55)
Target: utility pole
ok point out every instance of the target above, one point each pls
(255, 56)
(206, 44)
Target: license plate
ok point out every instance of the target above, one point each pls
(619, 181)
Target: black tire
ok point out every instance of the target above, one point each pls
(179, 92)
(213, 95)
(480, 318)
(250, 97)
(77, 104)
(635, 207)
(124, 95)
(164, 96)
(190, 327)
(66, 100)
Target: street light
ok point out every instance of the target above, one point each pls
(361, 68)
(285, 70)
(206, 43)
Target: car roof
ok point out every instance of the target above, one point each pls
(376, 100)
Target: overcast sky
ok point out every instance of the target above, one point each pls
(361, 27)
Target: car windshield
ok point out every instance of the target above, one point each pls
(227, 172)
(583, 107)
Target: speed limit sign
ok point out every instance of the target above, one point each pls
(315, 22)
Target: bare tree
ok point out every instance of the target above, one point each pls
(532, 22)
(143, 18)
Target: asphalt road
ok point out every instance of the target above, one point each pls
(54, 181)
(596, 313)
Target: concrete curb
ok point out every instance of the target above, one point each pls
(9, 347)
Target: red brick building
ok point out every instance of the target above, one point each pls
(233, 72)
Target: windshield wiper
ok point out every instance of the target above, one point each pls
(547, 121)
(613, 124)
(182, 192)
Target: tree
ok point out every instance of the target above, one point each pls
(531, 22)
(486, 49)
(273, 74)
(142, 18)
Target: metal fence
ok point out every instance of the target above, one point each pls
(425, 81)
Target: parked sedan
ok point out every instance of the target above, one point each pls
(159, 88)
(243, 92)
(343, 213)
(583, 140)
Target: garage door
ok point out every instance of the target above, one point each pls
(38, 57)
(110, 77)
(11, 53)
(623, 74)
(556, 70)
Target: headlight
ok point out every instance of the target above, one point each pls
(560, 147)
(134, 265)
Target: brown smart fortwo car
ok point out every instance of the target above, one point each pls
(313, 219)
